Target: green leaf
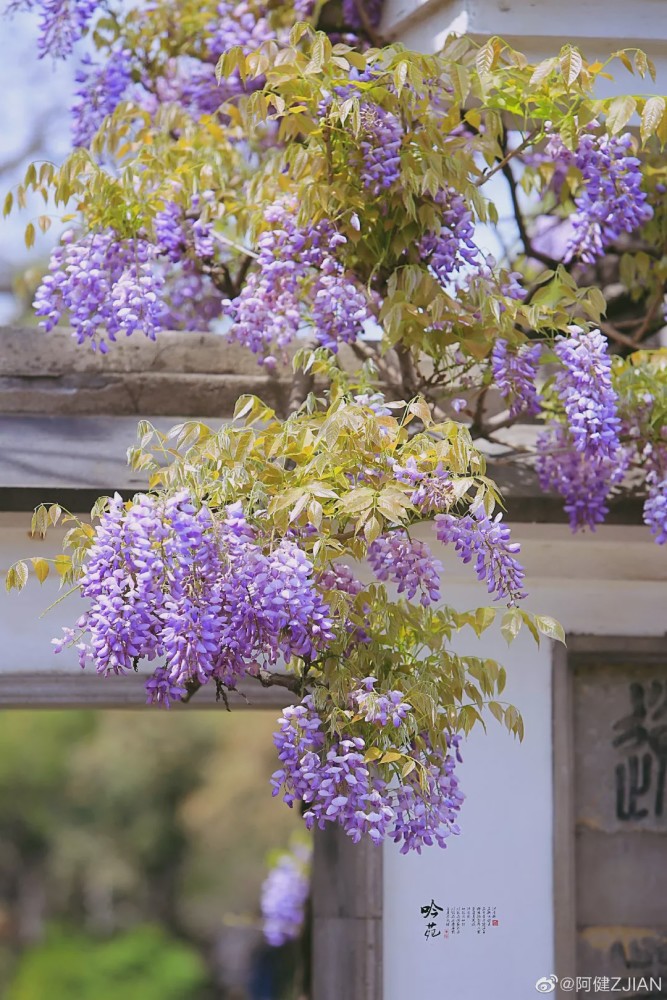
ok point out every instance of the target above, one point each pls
(40, 521)
(511, 624)
(486, 57)
(497, 711)
(359, 499)
(542, 71)
(21, 574)
(549, 627)
(571, 64)
(652, 114)
(63, 564)
(620, 112)
(390, 757)
(372, 529)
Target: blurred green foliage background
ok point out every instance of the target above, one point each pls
(132, 851)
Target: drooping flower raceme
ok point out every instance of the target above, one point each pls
(655, 507)
(611, 200)
(407, 562)
(162, 579)
(339, 786)
(583, 480)
(100, 89)
(425, 818)
(514, 373)
(299, 282)
(285, 893)
(452, 246)
(106, 285)
(379, 708)
(583, 384)
(61, 23)
(488, 541)
(583, 458)
(379, 148)
(243, 25)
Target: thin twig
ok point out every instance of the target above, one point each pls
(617, 336)
(235, 246)
(528, 247)
(505, 160)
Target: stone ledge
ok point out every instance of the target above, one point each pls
(181, 373)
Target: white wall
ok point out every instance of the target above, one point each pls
(612, 583)
(25, 638)
(540, 27)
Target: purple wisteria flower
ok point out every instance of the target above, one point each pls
(435, 492)
(428, 817)
(584, 480)
(611, 200)
(338, 786)
(238, 24)
(298, 282)
(107, 286)
(100, 89)
(450, 248)
(488, 541)
(163, 580)
(585, 390)
(352, 17)
(61, 23)
(407, 562)
(655, 507)
(514, 372)
(177, 232)
(380, 144)
(380, 708)
(284, 896)
(375, 401)
(583, 459)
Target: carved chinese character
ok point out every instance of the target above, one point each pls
(645, 728)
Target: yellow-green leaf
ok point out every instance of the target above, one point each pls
(620, 112)
(652, 114)
(41, 568)
(571, 64)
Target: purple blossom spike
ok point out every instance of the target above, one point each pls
(488, 540)
(106, 285)
(380, 708)
(100, 89)
(61, 23)
(284, 895)
(452, 247)
(514, 372)
(611, 200)
(584, 480)
(380, 148)
(655, 507)
(585, 389)
(352, 17)
(408, 563)
(425, 817)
